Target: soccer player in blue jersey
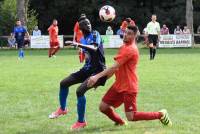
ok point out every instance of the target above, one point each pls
(19, 32)
(94, 63)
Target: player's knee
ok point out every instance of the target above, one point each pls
(79, 93)
(103, 107)
(130, 116)
(62, 84)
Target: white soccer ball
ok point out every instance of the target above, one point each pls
(107, 13)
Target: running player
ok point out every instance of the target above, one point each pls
(94, 63)
(54, 42)
(20, 32)
(153, 31)
(77, 37)
(125, 88)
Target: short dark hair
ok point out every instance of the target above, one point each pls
(82, 17)
(128, 20)
(133, 28)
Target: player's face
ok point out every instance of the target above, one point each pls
(153, 18)
(18, 23)
(85, 26)
(128, 36)
(55, 22)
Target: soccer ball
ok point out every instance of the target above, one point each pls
(107, 13)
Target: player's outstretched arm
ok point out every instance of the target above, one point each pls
(90, 47)
(107, 72)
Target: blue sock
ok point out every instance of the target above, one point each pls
(22, 53)
(19, 53)
(63, 97)
(81, 108)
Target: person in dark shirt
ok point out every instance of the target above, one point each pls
(20, 32)
(94, 63)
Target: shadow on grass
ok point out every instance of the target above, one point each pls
(109, 128)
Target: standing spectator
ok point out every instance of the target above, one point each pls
(54, 42)
(109, 31)
(120, 33)
(164, 30)
(153, 31)
(11, 41)
(198, 30)
(20, 32)
(178, 30)
(186, 30)
(36, 31)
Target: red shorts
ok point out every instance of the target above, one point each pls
(54, 44)
(115, 99)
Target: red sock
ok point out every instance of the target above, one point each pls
(146, 116)
(113, 116)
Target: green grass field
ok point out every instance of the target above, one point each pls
(29, 92)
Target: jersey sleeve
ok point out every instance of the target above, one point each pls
(96, 38)
(124, 55)
(76, 27)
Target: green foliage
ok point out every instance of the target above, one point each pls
(31, 20)
(8, 16)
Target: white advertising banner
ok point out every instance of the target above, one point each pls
(171, 41)
(43, 41)
(111, 41)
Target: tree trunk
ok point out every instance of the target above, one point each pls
(189, 17)
(21, 11)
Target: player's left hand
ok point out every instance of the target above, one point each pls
(91, 81)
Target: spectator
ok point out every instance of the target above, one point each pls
(36, 31)
(120, 33)
(109, 31)
(198, 30)
(186, 30)
(11, 41)
(178, 30)
(164, 30)
(27, 41)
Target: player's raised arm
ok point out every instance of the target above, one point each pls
(89, 47)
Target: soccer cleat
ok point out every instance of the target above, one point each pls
(121, 124)
(78, 125)
(165, 120)
(53, 56)
(59, 112)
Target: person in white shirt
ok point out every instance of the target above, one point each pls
(36, 31)
(153, 31)
(109, 31)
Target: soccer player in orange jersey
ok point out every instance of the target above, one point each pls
(125, 88)
(77, 37)
(126, 22)
(54, 42)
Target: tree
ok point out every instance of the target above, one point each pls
(189, 16)
(21, 11)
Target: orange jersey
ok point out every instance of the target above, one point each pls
(53, 33)
(126, 76)
(125, 24)
(78, 32)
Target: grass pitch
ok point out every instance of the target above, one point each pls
(29, 92)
